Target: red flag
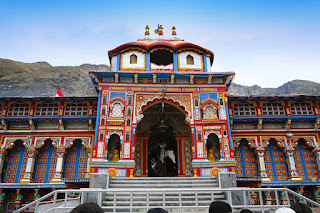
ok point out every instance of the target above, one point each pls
(59, 93)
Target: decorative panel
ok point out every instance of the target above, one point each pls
(45, 165)
(275, 163)
(16, 164)
(75, 165)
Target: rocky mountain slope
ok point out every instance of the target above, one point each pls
(301, 87)
(40, 79)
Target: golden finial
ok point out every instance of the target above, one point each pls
(159, 30)
(174, 33)
(147, 33)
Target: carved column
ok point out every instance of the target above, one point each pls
(32, 153)
(3, 154)
(57, 178)
(316, 152)
(291, 164)
(261, 164)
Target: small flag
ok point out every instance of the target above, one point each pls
(59, 93)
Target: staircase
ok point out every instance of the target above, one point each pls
(161, 192)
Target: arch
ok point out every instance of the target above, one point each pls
(114, 143)
(103, 121)
(75, 164)
(246, 160)
(104, 99)
(103, 111)
(213, 147)
(45, 165)
(133, 59)
(190, 60)
(209, 111)
(305, 160)
(176, 103)
(16, 162)
(275, 161)
(128, 122)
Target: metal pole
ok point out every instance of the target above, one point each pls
(261, 201)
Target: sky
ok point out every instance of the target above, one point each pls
(265, 42)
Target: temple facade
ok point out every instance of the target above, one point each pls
(159, 112)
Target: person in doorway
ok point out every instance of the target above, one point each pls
(87, 208)
(220, 207)
(301, 208)
(157, 210)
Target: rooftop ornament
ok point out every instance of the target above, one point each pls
(159, 30)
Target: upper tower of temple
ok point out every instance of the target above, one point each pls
(170, 55)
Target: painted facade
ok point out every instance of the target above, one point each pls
(159, 111)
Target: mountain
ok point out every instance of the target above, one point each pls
(301, 87)
(40, 79)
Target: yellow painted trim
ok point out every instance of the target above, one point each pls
(118, 88)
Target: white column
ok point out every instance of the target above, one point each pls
(57, 178)
(27, 178)
(261, 164)
(291, 164)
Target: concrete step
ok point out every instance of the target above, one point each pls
(159, 185)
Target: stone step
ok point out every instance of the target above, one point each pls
(159, 185)
(152, 198)
(158, 202)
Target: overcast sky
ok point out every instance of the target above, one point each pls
(265, 42)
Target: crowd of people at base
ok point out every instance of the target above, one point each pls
(215, 207)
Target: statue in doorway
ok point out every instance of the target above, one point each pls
(171, 169)
(115, 156)
(211, 155)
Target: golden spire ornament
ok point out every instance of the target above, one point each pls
(159, 30)
(147, 33)
(174, 33)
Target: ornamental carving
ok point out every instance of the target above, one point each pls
(182, 101)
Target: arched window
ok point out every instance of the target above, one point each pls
(246, 162)
(133, 59)
(76, 109)
(272, 109)
(101, 136)
(305, 161)
(16, 163)
(103, 111)
(47, 109)
(196, 102)
(213, 147)
(45, 166)
(199, 137)
(209, 111)
(128, 122)
(75, 165)
(129, 100)
(244, 109)
(113, 147)
(129, 111)
(190, 60)
(104, 99)
(301, 109)
(103, 121)
(18, 109)
(116, 110)
(127, 137)
(275, 162)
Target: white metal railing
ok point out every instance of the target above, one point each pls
(173, 198)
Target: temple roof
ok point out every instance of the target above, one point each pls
(148, 44)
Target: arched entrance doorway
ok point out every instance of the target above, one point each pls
(163, 145)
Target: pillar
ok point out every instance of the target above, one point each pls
(18, 200)
(27, 178)
(57, 178)
(3, 154)
(293, 174)
(261, 164)
(316, 152)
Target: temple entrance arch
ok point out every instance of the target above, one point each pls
(163, 142)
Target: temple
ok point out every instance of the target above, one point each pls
(159, 112)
